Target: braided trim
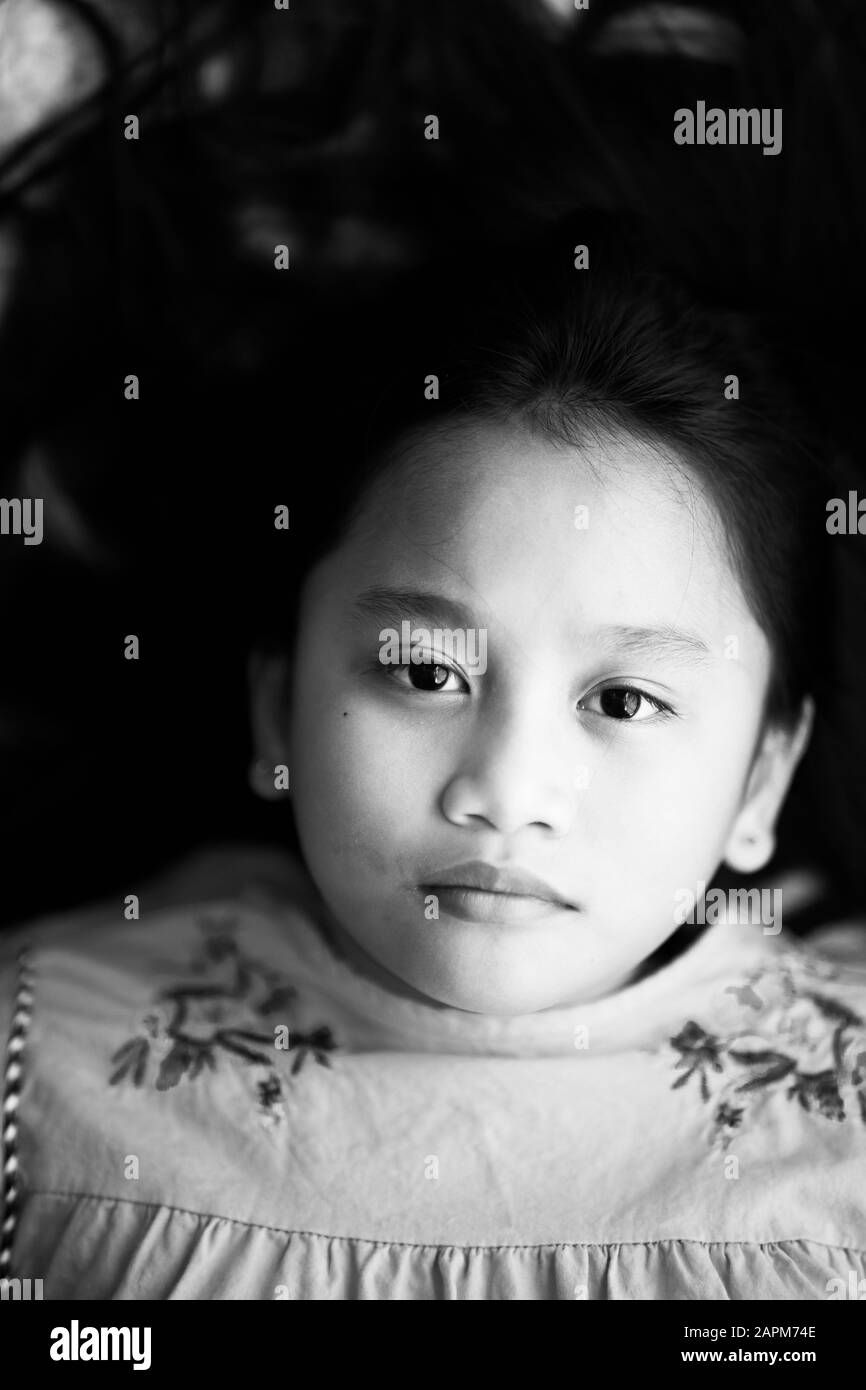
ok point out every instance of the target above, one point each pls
(12, 1077)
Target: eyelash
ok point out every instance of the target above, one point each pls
(662, 710)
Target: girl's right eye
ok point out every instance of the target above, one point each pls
(429, 677)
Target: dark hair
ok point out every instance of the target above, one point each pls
(620, 346)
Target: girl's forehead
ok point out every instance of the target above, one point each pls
(478, 470)
(611, 529)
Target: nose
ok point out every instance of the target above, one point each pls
(512, 777)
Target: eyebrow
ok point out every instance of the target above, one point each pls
(383, 605)
(648, 642)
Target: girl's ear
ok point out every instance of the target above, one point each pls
(752, 840)
(268, 682)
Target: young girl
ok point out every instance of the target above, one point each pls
(553, 664)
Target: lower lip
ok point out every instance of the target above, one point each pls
(476, 905)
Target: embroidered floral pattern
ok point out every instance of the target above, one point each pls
(224, 1010)
(806, 1045)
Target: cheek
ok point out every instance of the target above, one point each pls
(355, 791)
(659, 823)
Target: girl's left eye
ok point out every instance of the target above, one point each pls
(625, 703)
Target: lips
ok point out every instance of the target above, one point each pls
(489, 893)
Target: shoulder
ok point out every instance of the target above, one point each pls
(778, 1053)
(182, 892)
(828, 965)
(104, 1016)
(74, 986)
(107, 959)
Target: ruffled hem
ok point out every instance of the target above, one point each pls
(89, 1247)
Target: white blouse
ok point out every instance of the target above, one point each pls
(209, 1103)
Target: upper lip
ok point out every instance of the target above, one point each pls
(492, 878)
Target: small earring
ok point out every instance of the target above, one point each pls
(752, 851)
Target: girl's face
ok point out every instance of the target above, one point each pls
(590, 720)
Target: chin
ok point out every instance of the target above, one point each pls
(477, 996)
